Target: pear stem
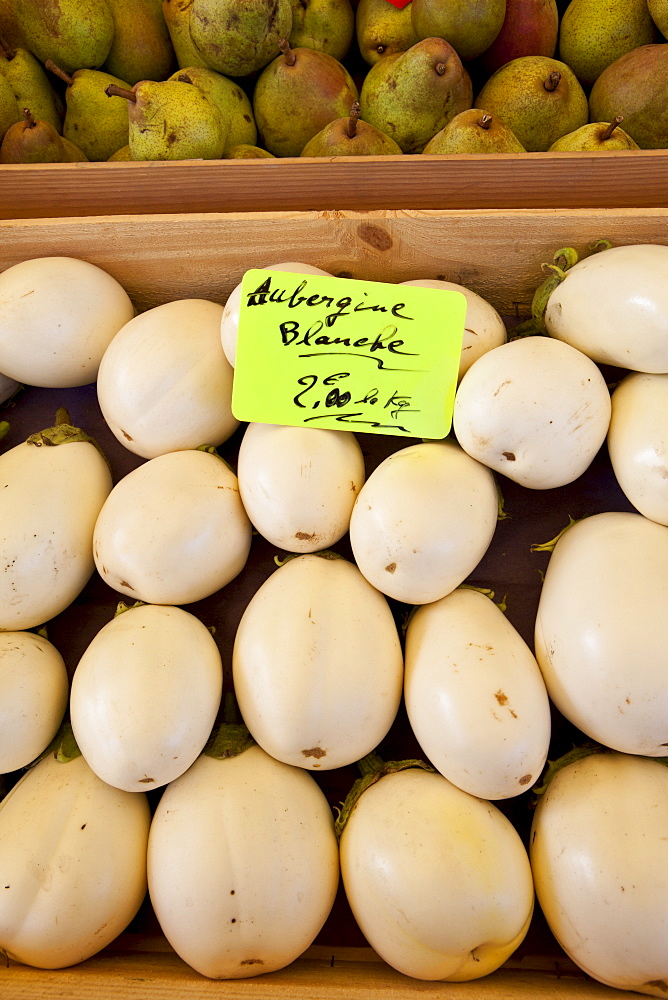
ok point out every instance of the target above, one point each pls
(351, 127)
(51, 66)
(485, 122)
(440, 68)
(114, 91)
(6, 50)
(607, 133)
(552, 81)
(289, 55)
(183, 78)
(29, 118)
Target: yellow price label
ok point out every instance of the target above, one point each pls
(319, 351)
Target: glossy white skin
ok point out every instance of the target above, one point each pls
(164, 383)
(57, 317)
(73, 864)
(243, 864)
(423, 521)
(299, 484)
(638, 442)
(613, 306)
(484, 327)
(229, 324)
(34, 689)
(602, 631)
(535, 410)
(317, 664)
(475, 696)
(50, 498)
(174, 530)
(437, 879)
(145, 695)
(599, 855)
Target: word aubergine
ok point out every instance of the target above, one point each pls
(265, 294)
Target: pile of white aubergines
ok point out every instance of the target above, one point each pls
(364, 613)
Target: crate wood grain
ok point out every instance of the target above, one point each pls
(631, 178)
(496, 253)
(149, 970)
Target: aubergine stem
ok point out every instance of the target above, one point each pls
(552, 81)
(372, 768)
(607, 134)
(289, 55)
(114, 91)
(549, 546)
(60, 73)
(228, 739)
(353, 118)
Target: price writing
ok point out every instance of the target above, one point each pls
(397, 349)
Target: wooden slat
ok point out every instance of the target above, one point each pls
(146, 974)
(631, 178)
(496, 253)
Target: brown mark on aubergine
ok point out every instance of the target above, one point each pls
(316, 752)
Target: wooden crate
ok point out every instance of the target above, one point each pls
(632, 178)
(158, 258)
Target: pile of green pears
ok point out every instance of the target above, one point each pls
(105, 80)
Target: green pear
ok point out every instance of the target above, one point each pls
(95, 124)
(142, 48)
(593, 34)
(123, 154)
(383, 30)
(11, 32)
(474, 131)
(595, 137)
(296, 95)
(30, 84)
(75, 34)
(469, 25)
(636, 86)
(325, 25)
(172, 120)
(538, 98)
(35, 141)
(177, 18)
(237, 39)
(246, 151)
(9, 109)
(659, 11)
(412, 95)
(232, 102)
(351, 137)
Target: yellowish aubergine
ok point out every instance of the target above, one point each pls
(438, 880)
(57, 317)
(299, 484)
(173, 530)
(535, 410)
(613, 306)
(145, 695)
(34, 689)
(599, 856)
(164, 383)
(638, 442)
(73, 853)
(50, 496)
(243, 864)
(475, 696)
(317, 664)
(601, 630)
(423, 521)
(484, 328)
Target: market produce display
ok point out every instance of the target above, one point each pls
(220, 79)
(374, 613)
